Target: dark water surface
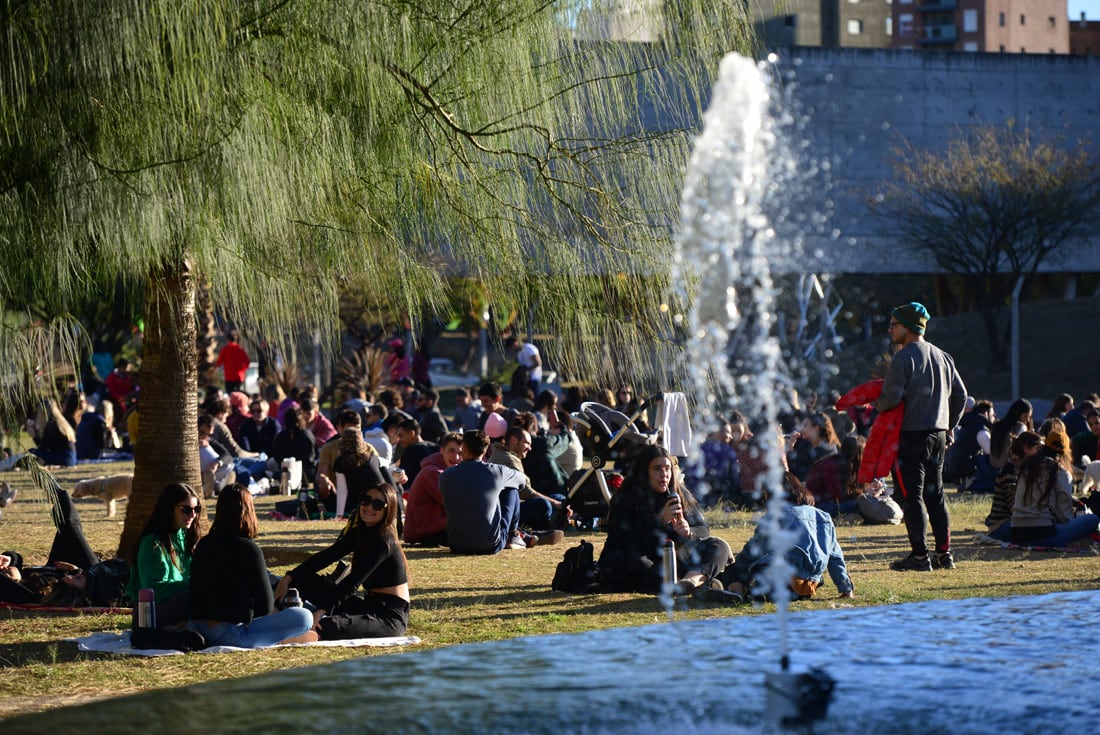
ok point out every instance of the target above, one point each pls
(1005, 665)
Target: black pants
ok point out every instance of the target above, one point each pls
(69, 543)
(370, 616)
(919, 478)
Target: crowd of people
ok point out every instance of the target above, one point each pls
(495, 475)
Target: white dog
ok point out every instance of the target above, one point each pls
(107, 489)
(1091, 478)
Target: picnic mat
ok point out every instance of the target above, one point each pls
(112, 642)
(1089, 548)
(62, 609)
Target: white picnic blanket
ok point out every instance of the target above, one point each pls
(113, 642)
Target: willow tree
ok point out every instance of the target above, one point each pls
(279, 149)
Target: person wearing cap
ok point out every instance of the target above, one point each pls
(923, 379)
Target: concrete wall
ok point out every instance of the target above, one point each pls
(861, 104)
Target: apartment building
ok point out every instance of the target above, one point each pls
(1005, 26)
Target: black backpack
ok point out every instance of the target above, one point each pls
(578, 571)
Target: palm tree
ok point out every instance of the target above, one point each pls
(278, 150)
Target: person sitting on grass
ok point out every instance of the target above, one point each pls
(426, 515)
(1044, 512)
(73, 575)
(999, 520)
(232, 603)
(815, 551)
(162, 558)
(482, 501)
(649, 511)
(378, 565)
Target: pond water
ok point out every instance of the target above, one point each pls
(1014, 665)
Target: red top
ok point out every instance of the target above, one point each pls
(425, 514)
(882, 442)
(234, 361)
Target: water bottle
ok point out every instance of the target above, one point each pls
(292, 599)
(668, 562)
(146, 608)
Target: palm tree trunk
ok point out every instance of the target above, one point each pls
(167, 447)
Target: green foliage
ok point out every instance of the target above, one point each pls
(287, 149)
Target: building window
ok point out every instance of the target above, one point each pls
(1053, 22)
(1002, 48)
(889, 26)
(855, 27)
(789, 20)
(1001, 19)
(970, 21)
(1023, 19)
(905, 24)
(970, 46)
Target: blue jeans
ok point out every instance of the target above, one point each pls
(509, 517)
(1066, 533)
(839, 507)
(247, 469)
(262, 632)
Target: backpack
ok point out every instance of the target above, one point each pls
(578, 571)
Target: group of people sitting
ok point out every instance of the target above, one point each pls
(1038, 471)
(215, 583)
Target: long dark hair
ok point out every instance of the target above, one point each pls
(637, 484)
(1001, 433)
(387, 526)
(1039, 475)
(162, 523)
(235, 514)
(851, 457)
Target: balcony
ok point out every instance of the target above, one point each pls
(933, 35)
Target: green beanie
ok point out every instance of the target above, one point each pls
(913, 316)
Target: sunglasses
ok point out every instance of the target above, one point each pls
(188, 510)
(374, 503)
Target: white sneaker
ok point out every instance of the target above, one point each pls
(516, 542)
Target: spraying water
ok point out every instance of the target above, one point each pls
(727, 245)
(739, 188)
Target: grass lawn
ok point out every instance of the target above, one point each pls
(459, 599)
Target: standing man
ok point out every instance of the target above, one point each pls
(922, 378)
(527, 355)
(233, 361)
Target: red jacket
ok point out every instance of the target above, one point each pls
(882, 443)
(425, 514)
(234, 362)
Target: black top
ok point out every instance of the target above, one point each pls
(376, 561)
(413, 455)
(361, 478)
(229, 580)
(631, 557)
(299, 444)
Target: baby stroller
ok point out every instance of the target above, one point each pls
(608, 437)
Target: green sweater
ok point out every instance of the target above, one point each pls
(153, 568)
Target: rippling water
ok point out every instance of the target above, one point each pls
(1012, 665)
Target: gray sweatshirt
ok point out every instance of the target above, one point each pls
(924, 378)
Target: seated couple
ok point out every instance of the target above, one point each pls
(481, 503)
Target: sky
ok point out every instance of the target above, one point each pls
(1091, 9)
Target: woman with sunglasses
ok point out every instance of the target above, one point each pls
(377, 565)
(162, 559)
(231, 599)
